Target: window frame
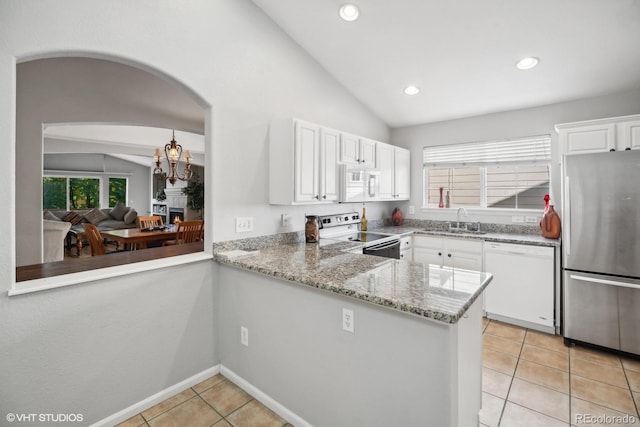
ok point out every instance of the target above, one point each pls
(482, 166)
(103, 177)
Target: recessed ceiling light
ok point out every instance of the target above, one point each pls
(527, 63)
(349, 12)
(411, 90)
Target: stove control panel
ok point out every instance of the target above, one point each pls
(340, 219)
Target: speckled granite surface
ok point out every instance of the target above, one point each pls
(439, 293)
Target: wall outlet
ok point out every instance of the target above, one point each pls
(347, 320)
(285, 219)
(244, 336)
(531, 218)
(244, 224)
(412, 210)
(517, 218)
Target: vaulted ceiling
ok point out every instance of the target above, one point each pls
(462, 53)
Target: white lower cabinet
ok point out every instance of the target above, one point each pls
(449, 252)
(523, 287)
(405, 248)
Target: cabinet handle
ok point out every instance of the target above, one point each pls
(449, 255)
(627, 149)
(316, 197)
(324, 197)
(613, 149)
(439, 253)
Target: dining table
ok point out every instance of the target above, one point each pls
(136, 238)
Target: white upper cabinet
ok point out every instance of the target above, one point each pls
(394, 166)
(593, 136)
(303, 163)
(357, 151)
(329, 173)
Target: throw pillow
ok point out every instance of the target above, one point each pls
(130, 217)
(50, 216)
(69, 216)
(95, 216)
(78, 219)
(119, 211)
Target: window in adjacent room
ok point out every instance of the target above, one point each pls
(506, 174)
(117, 191)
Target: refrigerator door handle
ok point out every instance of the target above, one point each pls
(604, 281)
(567, 208)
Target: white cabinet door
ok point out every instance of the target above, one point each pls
(402, 174)
(630, 135)
(393, 164)
(448, 252)
(463, 253)
(594, 136)
(349, 149)
(368, 152)
(307, 137)
(428, 249)
(357, 151)
(386, 165)
(588, 139)
(329, 178)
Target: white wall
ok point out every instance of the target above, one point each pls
(509, 124)
(62, 346)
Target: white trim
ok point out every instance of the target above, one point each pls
(160, 396)
(170, 391)
(265, 399)
(36, 285)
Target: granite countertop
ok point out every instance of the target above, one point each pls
(489, 236)
(439, 293)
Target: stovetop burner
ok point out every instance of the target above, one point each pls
(365, 237)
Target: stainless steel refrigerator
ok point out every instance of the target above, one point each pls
(601, 244)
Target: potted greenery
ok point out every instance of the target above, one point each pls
(195, 194)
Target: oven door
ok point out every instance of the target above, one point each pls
(389, 249)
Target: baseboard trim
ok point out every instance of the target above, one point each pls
(162, 395)
(265, 399)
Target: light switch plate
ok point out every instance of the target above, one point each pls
(244, 224)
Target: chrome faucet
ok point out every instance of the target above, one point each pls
(458, 216)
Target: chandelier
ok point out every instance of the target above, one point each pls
(173, 153)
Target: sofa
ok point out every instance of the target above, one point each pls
(117, 218)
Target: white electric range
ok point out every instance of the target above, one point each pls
(346, 227)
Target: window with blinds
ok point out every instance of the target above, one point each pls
(506, 174)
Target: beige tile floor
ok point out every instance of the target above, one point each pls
(214, 402)
(529, 379)
(532, 379)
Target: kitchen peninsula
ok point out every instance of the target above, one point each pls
(413, 358)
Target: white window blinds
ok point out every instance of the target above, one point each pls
(527, 150)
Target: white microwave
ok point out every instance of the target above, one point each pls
(359, 184)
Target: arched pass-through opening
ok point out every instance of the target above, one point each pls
(77, 89)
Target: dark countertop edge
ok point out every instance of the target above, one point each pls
(452, 318)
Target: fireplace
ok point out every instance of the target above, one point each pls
(175, 212)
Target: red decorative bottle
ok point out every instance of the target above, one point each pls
(396, 217)
(550, 222)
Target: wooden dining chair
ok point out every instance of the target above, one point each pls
(95, 239)
(149, 221)
(188, 232)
